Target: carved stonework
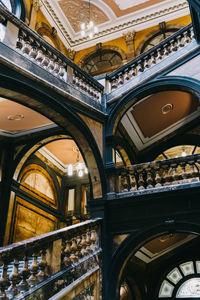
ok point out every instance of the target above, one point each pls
(36, 4)
(130, 43)
(129, 36)
(71, 53)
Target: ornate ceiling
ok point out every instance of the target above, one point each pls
(113, 17)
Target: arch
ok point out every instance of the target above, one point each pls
(133, 242)
(103, 49)
(48, 105)
(153, 34)
(49, 34)
(162, 84)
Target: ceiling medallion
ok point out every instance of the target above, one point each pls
(15, 117)
(167, 108)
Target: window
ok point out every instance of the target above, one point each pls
(181, 282)
(102, 61)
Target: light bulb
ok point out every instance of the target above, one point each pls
(80, 173)
(70, 170)
(83, 26)
(91, 24)
(86, 170)
(90, 35)
(95, 29)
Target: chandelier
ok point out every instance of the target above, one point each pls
(88, 28)
(79, 168)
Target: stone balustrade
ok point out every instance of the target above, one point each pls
(26, 264)
(156, 174)
(32, 46)
(150, 58)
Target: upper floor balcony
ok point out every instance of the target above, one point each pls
(22, 46)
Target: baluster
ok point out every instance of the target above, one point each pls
(14, 278)
(88, 241)
(67, 253)
(147, 62)
(45, 61)
(83, 245)
(140, 68)
(121, 79)
(174, 44)
(166, 50)
(158, 178)
(42, 266)
(93, 240)
(33, 52)
(149, 179)
(192, 171)
(20, 41)
(153, 58)
(24, 272)
(73, 257)
(133, 70)
(141, 182)
(175, 175)
(160, 54)
(188, 36)
(180, 41)
(132, 181)
(26, 47)
(56, 67)
(51, 64)
(127, 75)
(184, 174)
(78, 250)
(124, 182)
(166, 176)
(62, 71)
(33, 270)
(40, 56)
(114, 84)
(4, 282)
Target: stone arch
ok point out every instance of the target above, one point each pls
(133, 242)
(55, 110)
(162, 84)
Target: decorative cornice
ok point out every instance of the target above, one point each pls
(114, 29)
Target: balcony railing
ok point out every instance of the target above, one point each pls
(150, 58)
(32, 46)
(27, 264)
(156, 175)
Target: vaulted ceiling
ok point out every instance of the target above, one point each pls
(113, 17)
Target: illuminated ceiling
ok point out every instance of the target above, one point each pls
(113, 17)
(158, 115)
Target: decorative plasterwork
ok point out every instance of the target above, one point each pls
(124, 4)
(114, 27)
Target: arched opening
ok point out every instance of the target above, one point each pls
(156, 266)
(51, 178)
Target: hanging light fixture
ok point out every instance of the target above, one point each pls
(88, 28)
(79, 168)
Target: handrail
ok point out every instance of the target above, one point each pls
(155, 174)
(31, 45)
(34, 260)
(147, 53)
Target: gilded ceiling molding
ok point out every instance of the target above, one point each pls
(114, 29)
